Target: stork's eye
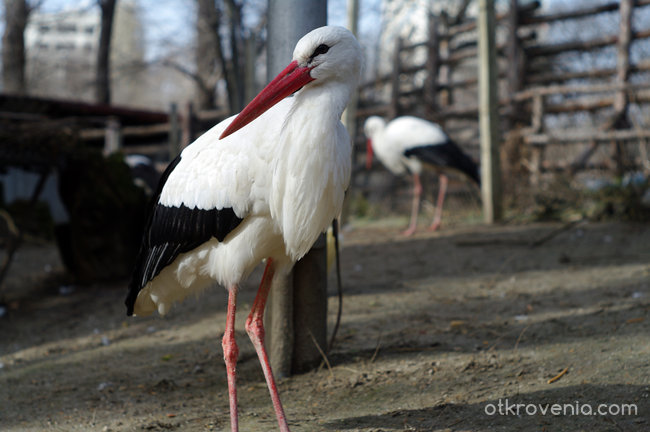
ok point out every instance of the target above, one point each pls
(320, 49)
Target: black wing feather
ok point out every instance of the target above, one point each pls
(171, 231)
(448, 154)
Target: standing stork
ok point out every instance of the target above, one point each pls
(232, 199)
(408, 144)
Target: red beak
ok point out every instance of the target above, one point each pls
(368, 153)
(291, 79)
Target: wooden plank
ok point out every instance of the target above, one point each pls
(583, 89)
(539, 76)
(127, 131)
(575, 14)
(545, 50)
(468, 26)
(586, 136)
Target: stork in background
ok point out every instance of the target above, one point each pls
(408, 144)
(236, 197)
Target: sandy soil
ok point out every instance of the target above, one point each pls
(437, 331)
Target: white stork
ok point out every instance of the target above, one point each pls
(407, 144)
(232, 199)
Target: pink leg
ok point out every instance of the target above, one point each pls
(230, 354)
(415, 206)
(255, 330)
(437, 218)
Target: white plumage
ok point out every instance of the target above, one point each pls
(286, 202)
(263, 192)
(408, 144)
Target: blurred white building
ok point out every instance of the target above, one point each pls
(409, 20)
(62, 53)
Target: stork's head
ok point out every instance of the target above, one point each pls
(324, 55)
(372, 128)
(329, 53)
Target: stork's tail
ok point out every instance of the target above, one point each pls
(448, 155)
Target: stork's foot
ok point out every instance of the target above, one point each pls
(434, 226)
(408, 232)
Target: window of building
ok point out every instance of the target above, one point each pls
(67, 28)
(64, 46)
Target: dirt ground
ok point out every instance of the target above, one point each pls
(445, 331)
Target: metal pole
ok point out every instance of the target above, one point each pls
(293, 328)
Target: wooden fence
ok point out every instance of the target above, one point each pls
(532, 88)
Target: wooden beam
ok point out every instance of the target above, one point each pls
(574, 14)
(584, 136)
(583, 89)
(545, 50)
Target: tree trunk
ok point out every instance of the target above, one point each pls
(235, 69)
(103, 83)
(13, 47)
(207, 49)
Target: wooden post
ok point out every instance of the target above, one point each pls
(623, 55)
(489, 113)
(537, 151)
(113, 137)
(444, 73)
(514, 71)
(397, 70)
(433, 63)
(621, 100)
(188, 123)
(288, 21)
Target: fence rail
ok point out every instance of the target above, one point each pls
(530, 89)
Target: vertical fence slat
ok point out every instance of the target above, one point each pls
(433, 62)
(515, 69)
(397, 71)
(622, 74)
